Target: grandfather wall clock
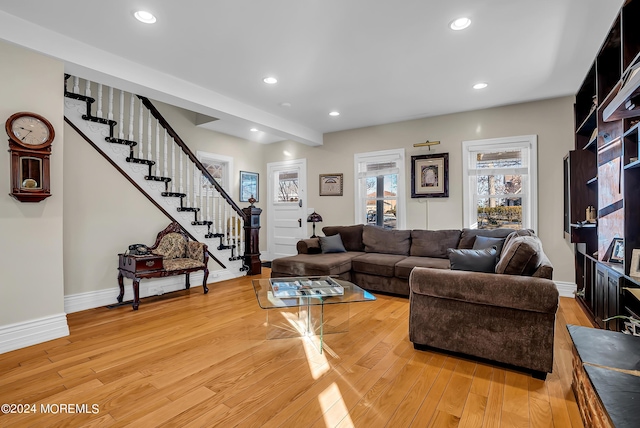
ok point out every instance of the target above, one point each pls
(30, 138)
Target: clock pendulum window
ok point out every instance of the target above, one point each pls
(30, 138)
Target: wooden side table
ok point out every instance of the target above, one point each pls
(135, 268)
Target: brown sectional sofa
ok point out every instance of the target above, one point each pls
(507, 316)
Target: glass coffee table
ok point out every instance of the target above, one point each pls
(311, 316)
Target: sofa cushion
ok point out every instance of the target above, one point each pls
(376, 263)
(181, 263)
(404, 267)
(483, 242)
(483, 260)
(314, 264)
(433, 243)
(468, 236)
(386, 241)
(332, 244)
(171, 246)
(309, 246)
(351, 236)
(521, 255)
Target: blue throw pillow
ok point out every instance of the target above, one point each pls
(332, 244)
(483, 242)
(473, 260)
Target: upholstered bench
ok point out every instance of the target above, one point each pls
(172, 254)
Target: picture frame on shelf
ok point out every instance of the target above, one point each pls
(430, 176)
(249, 185)
(331, 184)
(617, 251)
(634, 269)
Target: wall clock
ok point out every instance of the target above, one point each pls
(30, 138)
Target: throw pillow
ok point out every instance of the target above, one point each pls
(521, 256)
(351, 236)
(483, 242)
(332, 244)
(483, 260)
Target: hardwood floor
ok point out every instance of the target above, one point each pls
(193, 360)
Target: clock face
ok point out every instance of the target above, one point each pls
(30, 130)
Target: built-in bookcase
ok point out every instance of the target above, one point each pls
(603, 171)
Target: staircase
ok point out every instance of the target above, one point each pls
(147, 151)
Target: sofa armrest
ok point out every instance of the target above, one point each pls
(196, 250)
(510, 291)
(309, 246)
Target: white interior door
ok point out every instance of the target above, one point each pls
(287, 219)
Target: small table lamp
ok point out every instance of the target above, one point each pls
(314, 217)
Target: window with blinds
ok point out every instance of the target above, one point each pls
(380, 188)
(500, 183)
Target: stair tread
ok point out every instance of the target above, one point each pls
(188, 209)
(121, 141)
(99, 120)
(79, 97)
(202, 223)
(157, 178)
(138, 160)
(174, 194)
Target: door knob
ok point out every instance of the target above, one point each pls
(299, 222)
(300, 203)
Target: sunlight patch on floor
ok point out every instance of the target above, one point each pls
(331, 398)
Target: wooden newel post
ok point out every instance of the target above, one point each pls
(251, 238)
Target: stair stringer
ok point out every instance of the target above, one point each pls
(117, 153)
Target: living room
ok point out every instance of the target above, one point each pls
(94, 213)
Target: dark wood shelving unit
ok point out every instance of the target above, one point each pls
(603, 171)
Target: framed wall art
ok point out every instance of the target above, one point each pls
(248, 186)
(331, 184)
(617, 251)
(430, 176)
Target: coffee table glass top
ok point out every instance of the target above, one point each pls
(266, 300)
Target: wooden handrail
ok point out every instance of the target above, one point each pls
(154, 111)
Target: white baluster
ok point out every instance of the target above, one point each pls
(188, 185)
(149, 136)
(195, 186)
(99, 106)
(76, 85)
(131, 114)
(173, 166)
(121, 124)
(166, 168)
(181, 182)
(141, 132)
(110, 116)
(87, 89)
(202, 189)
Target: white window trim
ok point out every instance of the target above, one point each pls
(528, 141)
(202, 156)
(380, 156)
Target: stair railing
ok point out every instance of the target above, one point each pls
(158, 145)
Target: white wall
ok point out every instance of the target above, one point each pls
(31, 234)
(551, 120)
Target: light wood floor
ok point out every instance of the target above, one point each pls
(187, 359)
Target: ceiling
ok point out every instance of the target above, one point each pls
(374, 61)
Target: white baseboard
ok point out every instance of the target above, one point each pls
(566, 289)
(32, 332)
(148, 287)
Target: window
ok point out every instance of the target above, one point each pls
(220, 167)
(500, 183)
(287, 186)
(380, 188)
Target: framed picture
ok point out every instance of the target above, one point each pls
(430, 176)
(331, 184)
(617, 251)
(248, 186)
(634, 269)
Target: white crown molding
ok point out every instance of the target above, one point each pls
(32, 332)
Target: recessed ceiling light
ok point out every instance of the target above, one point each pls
(334, 113)
(144, 16)
(460, 24)
(270, 80)
(285, 104)
(480, 85)
(253, 130)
